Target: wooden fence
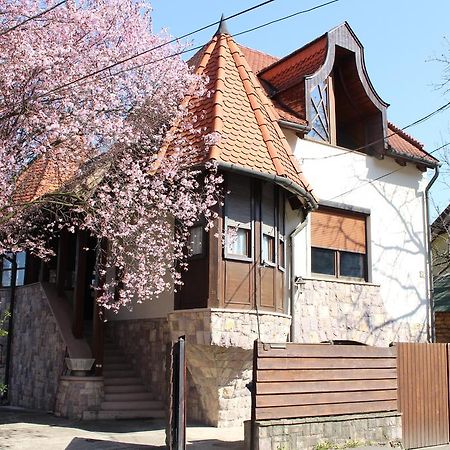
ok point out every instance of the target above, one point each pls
(423, 394)
(307, 380)
(304, 380)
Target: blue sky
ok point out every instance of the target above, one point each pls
(402, 39)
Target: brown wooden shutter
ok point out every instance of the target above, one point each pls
(339, 230)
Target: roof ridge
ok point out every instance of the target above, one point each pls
(252, 96)
(217, 124)
(273, 116)
(258, 51)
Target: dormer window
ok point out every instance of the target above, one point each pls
(320, 123)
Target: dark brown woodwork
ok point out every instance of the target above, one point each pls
(303, 380)
(98, 316)
(62, 261)
(80, 283)
(215, 253)
(423, 380)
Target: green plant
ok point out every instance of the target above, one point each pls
(3, 319)
(3, 389)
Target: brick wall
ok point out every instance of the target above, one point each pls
(442, 326)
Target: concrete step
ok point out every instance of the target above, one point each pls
(122, 381)
(118, 373)
(134, 405)
(126, 388)
(127, 396)
(142, 414)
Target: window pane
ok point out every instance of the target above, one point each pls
(20, 259)
(6, 278)
(195, 242)
(20, 277)
(238, 241)
(7, 263)
(268, 248)
(352, 264)
(323, 261)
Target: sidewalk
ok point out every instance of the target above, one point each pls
(31, 430)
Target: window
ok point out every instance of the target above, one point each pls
(338, 243)
(239, 219)
(196, 241)
(7, 268)
(268, 224)
(319, 118)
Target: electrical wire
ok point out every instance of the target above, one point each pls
(32, 18)
(381, 176)
(157, 47)
(188, 50)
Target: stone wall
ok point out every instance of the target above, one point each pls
(219, 349)
(228, 328)
(297, 434)
(442, 326)
(79, 396)
(37, 351)
(144, 342)
(337, 310)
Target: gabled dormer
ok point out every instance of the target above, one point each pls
(326, 84)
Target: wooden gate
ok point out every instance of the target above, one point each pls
(423, 394)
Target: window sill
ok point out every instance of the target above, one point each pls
(340, 280)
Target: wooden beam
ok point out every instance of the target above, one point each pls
(61, 267)
(98, 324)
(80, 284)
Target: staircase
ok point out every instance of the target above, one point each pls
(126, 397)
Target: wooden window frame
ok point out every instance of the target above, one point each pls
(231, 223)
(345, 211)
(18, 269)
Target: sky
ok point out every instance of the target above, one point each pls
(402, 40)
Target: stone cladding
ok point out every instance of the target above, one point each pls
(346, 430)
(77, 396)
(144, 342)
(328, 310)
(38, 351)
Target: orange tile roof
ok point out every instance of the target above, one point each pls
(405, 145)
(43, 176)
(241, 112)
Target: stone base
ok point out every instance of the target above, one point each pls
(78, 395)
(296, 434)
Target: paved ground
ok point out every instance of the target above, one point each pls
(29, 430)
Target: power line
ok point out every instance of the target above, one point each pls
(32, 18)
(381, 176)
(157, 47)
(370, 144)
(181, 52)
(286, 17)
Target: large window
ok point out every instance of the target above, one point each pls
(249, 202)
(7, 268)
(338, 244)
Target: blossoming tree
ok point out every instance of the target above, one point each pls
(79, 87)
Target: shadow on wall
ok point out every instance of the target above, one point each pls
(398, 258)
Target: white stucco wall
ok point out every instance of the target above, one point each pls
(396, 227)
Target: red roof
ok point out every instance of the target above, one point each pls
(405, 145)
(241, 112)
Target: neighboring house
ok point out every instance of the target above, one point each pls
(440, 245)
(340, 257)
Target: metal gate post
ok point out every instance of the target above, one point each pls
(177, 439)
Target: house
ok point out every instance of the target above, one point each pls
(440, 246)
(325, 240)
